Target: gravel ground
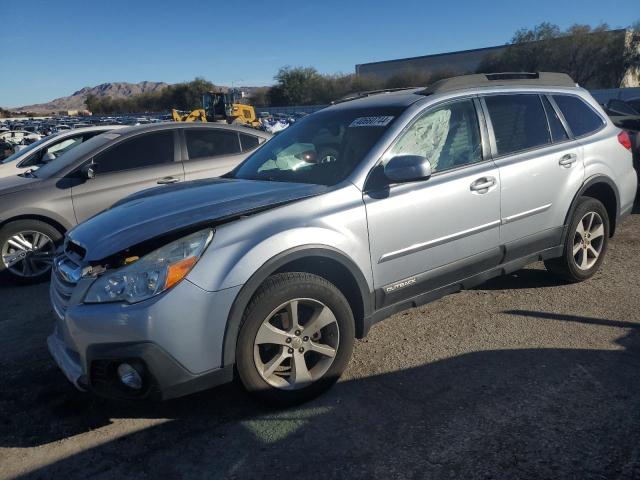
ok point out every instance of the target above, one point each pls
(523, 377)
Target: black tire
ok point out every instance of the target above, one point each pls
(274, 292)
(566, 266)
(13, 228)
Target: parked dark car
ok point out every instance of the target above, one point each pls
(38, 207)
(625, 115)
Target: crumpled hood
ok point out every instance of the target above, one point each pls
(15, 183)
(162, 210)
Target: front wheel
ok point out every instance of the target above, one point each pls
(296, 338)
(586, 242)
(27, 248)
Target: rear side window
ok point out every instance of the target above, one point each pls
(139, 152)
(558, 133)
(203, 143)
(581, 118)
(249, 142)
(519, 122)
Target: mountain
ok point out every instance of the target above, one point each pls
(76, 100)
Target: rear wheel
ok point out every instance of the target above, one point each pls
(586, 243)
(27, 248)
(296, 338)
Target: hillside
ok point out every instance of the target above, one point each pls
(76, 101)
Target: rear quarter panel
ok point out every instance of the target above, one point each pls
(604, 155)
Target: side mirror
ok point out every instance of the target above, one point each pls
(407, 168)
(89, 170)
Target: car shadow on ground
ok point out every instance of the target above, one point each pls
(530, 413)
(524, 278)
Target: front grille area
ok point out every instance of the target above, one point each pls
(62, 286)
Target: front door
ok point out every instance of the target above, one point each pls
(426, 234)
(144, 161)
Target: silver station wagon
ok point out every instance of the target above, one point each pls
(376, 204)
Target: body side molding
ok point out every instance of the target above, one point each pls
(438, 241)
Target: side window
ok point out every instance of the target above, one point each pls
(249, 142)
(63, 146)
(558, 133)
(203, 143)
(581, 118)
(139, 152)
(448, 135)
(519, 122)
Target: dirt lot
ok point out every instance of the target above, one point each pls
(523, 377)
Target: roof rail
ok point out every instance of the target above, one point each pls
(547, 79)
(367, 93)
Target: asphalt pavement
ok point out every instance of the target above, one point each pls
(523, 377)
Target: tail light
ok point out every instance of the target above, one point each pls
(624, 139)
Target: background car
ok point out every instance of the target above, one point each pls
(40, 206)
(19, 136)
(48, 149)
(625, 115)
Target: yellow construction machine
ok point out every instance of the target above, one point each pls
(198, 115)
(221, 107)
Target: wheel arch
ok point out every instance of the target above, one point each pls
(321, 260)
(42, 218)
(602, 188)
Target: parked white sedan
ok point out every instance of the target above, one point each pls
(48, 148)
(18, 136)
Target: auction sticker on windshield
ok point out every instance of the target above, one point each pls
(371, 122)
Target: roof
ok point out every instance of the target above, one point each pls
(538, 79)
(71, 132)
(407, 96)
(149, 127)
(380, 98)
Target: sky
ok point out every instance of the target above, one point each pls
(49, 49)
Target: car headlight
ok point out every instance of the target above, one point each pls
(152, 274)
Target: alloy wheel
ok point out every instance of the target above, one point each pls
(296, 344)
(28, 253)
(588, 240)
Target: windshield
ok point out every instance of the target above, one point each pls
(70, 157)
(324, 148)
(20, 153)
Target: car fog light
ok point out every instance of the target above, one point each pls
(129, 376)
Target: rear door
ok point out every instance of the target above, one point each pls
(144, 161)
(541, 169)
(211, 152)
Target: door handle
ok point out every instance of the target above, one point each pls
(167, 180)
(568, 160)
(482, 185)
